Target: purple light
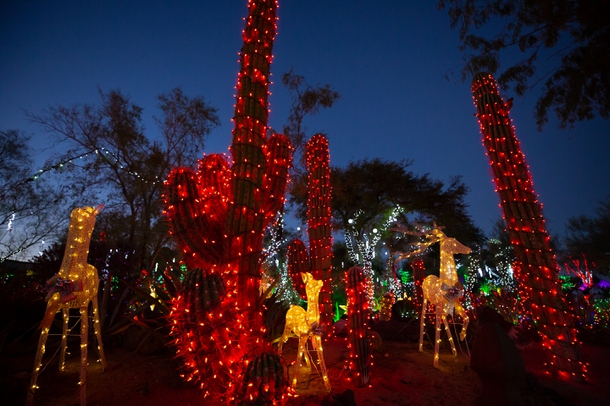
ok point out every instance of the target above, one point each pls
(604, 284)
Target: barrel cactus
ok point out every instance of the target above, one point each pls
(264, 381)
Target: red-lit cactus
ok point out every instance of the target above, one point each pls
(298, 262)
(319, 214)
(265, 381)
(358, 314)
(196, 204)
(319, 197)
(218, 215)
(535, 267)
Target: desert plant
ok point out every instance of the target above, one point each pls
(358, 315)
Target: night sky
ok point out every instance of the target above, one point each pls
(388, 62)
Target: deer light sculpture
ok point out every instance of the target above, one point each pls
(73, 287)
(304, 325)
(442, 291)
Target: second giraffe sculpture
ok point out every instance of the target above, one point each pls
(73, 287)
(442, 291)
(305, 325)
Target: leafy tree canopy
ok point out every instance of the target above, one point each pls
(590, 236)
(375, 187)
(573, 35)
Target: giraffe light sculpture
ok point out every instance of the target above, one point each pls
(75, 286)
(442, 291)
(304, 325)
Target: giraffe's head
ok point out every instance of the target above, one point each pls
(86, 212)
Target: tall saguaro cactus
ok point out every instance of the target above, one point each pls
(245, 217)
(319, 196)
(319, 214)
(217, 216)
(535, 267)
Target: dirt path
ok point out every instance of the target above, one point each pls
(400, 375)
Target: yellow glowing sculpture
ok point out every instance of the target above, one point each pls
(73, 287)
(304, 324)
(443, 292)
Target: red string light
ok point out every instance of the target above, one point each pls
(217, 215)
(535, 266)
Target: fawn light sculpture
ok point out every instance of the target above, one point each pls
(442, 291)
(304, 324)
(73, 287)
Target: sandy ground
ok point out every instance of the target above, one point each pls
(400, 375)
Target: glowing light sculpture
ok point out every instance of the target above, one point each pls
(443, 291)
(535, 267)
(217, 216)
(358, 315)
(75, 287)
(305, 325)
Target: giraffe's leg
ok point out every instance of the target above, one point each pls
(317, 344)
(64, 338)
(98, 331)
(84, 330)
(52, 307)
(448, 331)
(437, 334)
(422, 325)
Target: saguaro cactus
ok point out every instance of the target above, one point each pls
(358, 314)
(319, 214)
(319, 197)
(218, 215)
(535, 266)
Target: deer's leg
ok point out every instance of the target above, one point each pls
(98, 331)
(448, 330)
(464, 315)
(64, 338)
(422, 325)
(84, 330)
(283, 339)
(437, 334)
(300, 352)
(317, 345)
(306, 355)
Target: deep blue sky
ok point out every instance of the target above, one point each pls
(387, 59)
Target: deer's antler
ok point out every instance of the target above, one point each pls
(431, 237)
